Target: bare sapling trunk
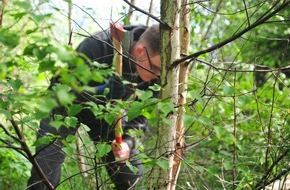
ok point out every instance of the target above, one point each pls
(182, 90)
(170, 51)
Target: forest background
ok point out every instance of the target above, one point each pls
(235, 130)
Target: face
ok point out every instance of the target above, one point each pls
(148, 66)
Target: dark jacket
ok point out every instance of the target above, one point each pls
(98, 48)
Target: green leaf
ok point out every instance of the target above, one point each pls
(163, 164)
(18, 15)
(23, 4)
(9, 39)
(46, 65)
(47, 104)
(204, 120)
(165, 107)
(15, 84)
(63, 95)
(6, 113)
(228, 90)
(56, 124)
(74, 109)
(85, 127)
(145, 95)
(110, 118)
(38, 18)
(134, 169)
(243, 100)
(39, 52)
(102, 149)
(220, 131)
(45, 140)
(71, 121)
(188, 119)
(28, 50)
(155, 87)
(194, 95)
(142, 156)
(135, 110)
(200, 66)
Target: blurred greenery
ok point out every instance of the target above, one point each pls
(236, 133)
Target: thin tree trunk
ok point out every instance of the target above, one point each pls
(70, 28)
(80, 156)
(150, 11)
(3, 4)
(182, 91)
(130, 11)
(170, 51)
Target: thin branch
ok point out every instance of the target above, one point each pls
(269, 134)
(8, 133)
(211, 22)
(264, 70)
(235, 135)
(130, 12)
(246, 9)
(30, 156)
(150, 12)
(232, 38)
(267, 173)
(164, 24)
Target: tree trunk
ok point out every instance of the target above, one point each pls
(170, 51)
(130, 12)
(182, 91)
(150, 12)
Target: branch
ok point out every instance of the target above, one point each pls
(164, 24)
(212, 20)
(29, 154)
(246, 9)
(259, 184)
(232, 38)
(150, 11)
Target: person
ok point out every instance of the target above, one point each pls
(141, 66)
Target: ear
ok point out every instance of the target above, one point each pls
(139, 49)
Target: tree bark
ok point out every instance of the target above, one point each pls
(170, 51)
(182, 90)
(130, 12)
(150, 12)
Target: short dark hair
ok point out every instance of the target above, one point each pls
(151, 37)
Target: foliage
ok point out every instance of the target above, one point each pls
(237, 133)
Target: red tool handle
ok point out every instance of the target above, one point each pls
(117, 34)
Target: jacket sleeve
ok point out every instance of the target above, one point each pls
(96, 48)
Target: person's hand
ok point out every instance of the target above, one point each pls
(121, 151)
(118, 90)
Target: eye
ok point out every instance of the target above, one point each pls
(155, 68)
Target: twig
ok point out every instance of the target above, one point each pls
(30, 157)
(150, 11)
(232, 38)
(164, 24)
(258, 186)
(246, 9)
(212, 20)
(235, 135)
